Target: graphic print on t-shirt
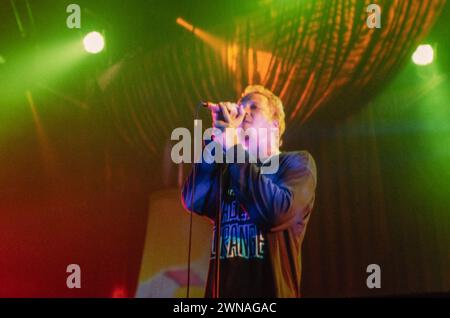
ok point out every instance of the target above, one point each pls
(240, 237)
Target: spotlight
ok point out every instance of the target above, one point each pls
(185, 24)
(423, 55)
(93, 42)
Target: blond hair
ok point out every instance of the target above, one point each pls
(274, 101)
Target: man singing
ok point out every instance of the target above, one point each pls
(264, 215)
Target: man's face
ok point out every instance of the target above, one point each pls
(259, 117)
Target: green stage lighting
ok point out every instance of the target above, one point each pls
(93, 42)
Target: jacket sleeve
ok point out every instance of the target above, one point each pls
(276, 202)
(204, 190)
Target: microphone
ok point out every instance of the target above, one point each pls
(209, 104)
(215, 108)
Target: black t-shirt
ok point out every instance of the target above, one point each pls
(263, 222)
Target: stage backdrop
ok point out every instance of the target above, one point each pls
(164, 263)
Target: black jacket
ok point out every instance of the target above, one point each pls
(264, 218)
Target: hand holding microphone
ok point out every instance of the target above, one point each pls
(225, 114)
(227, 117)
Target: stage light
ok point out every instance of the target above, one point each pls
(207, 37)
(93, 42)
(185, 24)
(423, 55)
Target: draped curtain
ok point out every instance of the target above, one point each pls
(316, 55)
